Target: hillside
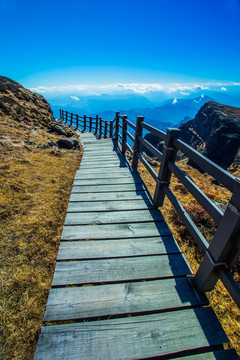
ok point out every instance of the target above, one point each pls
(35, 181)
(215, 132)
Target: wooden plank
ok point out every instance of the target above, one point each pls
(110, 159)
(115, 231)
(134, 337)
(117, 170)
(96, 147)
(108, 188)
(119, 269)
(118, 299)
(92, 249)
(109, 205)
(100, 155)
(99, 171)
(128, 195)
(99, 152)
(229, 354)
(90, 161)
(105, 175)
(114, 217)
(107, 181)
(105, 165)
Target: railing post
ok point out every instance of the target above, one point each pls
(60, 114)
(117, 125)
(111, 129)
(100, 128)
(77, 121)
(90, 124)
(85, 122)
(224, 248)
(71, 121)
(105, 130)
(96, 125)
(164, 176)
(66, 116)
(136, 146)
(124, 133)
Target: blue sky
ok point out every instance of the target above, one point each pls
(54, 43)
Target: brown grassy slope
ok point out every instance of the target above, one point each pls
(35, 186)
(223, 305)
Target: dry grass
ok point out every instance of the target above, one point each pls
(35, 187)
(223, 305)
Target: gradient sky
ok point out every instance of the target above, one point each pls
(52, 43)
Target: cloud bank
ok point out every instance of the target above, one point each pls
(134, 88)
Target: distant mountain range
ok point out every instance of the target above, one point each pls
(171, 113)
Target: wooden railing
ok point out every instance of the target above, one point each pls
(224, 249)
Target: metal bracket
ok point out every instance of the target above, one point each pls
(213, 263)
(161, 182)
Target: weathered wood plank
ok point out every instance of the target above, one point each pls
(108, 188)
(114, 231)
(86, 302)
(92, 249)
(134, 337)
(107, 181)
(105, 165)
(96, 148)
(99, 171)
(109, 205)
(99, 153)
(119, 269)
(113, 217)
(105, 175)
(92, 161)
(127, 195)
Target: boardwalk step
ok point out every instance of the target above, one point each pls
(108, 188)
(92, 249)
(113, 217)
(114, 231)
(109, 205)
(119, 269)
(134, 337)
(126, 195)
(105, 175)
(118, 299)
(107, 181)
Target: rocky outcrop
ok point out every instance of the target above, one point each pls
(215, 132)
(23, 105)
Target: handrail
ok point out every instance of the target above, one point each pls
(224, 249)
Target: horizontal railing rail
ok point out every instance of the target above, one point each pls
(223, 251)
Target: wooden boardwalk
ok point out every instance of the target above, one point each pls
(121, 288)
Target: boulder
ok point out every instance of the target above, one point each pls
(57, 128)
(67, 143)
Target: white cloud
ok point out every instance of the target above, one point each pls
(174, 101)
(133, 88)
(61, 88)
(75, 98)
